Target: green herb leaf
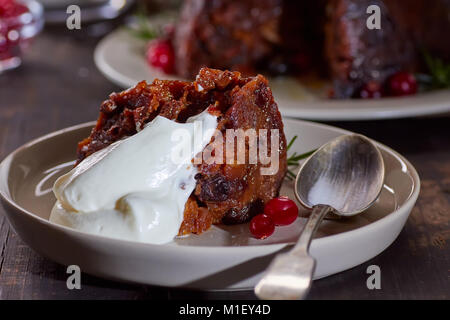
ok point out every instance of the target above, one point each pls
(293, 159)
(438, 76)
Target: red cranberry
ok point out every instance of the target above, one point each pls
(262, 226)
(371, 90)
(402, 84)
(282, 210)
(160, 55)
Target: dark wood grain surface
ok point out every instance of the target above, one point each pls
(58, 85)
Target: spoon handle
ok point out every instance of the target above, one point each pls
(316, 217)
(289, 275)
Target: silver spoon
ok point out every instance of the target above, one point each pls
(344, 177)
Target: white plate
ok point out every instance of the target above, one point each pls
(224, 257)
(121, 58)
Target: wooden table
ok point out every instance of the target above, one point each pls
(58, 86)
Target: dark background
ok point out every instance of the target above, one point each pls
(58, 85)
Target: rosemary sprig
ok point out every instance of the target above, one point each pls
(293, 159)
(148, 26)
(438, 75)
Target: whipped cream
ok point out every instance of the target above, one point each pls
(136, 188)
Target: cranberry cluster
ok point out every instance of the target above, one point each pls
(279, 211)
(399, 84)
(10, 27)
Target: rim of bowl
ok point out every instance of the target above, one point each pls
(384, 220)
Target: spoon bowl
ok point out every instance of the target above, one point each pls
(346, 174)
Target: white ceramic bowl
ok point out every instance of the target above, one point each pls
(225, 257)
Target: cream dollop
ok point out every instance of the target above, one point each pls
(136, 188)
